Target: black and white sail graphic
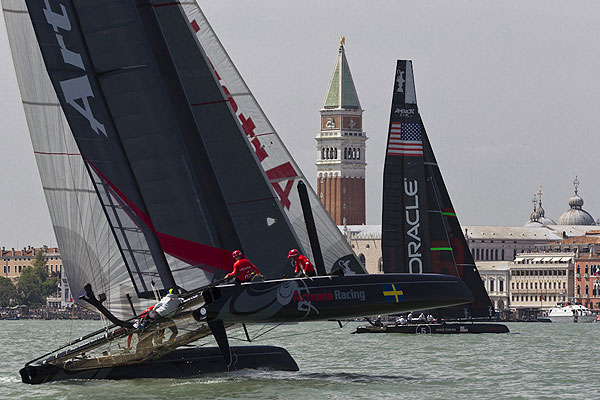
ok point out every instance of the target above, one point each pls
(420, 230)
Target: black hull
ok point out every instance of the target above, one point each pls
(449, 329)
(332, 297)
(181, 363)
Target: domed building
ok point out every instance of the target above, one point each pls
(534, 216)
(541, 214)
(576, 215)
(538, 217)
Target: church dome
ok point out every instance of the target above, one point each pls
(541, 216)
(576, 201)
(576, 215)
(538, 217)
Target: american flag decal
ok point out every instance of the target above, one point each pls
(405, 139)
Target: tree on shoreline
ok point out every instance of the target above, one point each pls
(35, 284)
(8, 291)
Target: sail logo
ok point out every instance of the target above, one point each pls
(412, 219)
(400, 81)
(76, 91)
(405, 112)
(282, 174)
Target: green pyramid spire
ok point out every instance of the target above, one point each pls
(341, 93)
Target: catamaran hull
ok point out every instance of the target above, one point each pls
(331, 297)
(180, 363)
(451, 328)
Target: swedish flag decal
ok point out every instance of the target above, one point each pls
(392, 293)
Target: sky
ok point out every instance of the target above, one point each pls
(508, 92)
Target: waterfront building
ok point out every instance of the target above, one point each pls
(587, 266)
(496, 278)
(13, 261)
(341, 145)
(539, 280)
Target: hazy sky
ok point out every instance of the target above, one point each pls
(508, 91)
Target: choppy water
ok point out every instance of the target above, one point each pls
(535, 361)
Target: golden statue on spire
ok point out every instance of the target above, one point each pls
(342, 41)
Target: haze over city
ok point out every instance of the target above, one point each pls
(508, 93)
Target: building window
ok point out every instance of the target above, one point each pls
(502, 254)
(578, 290)
(501, 283)
(496, 255)
(587, 290)
(512, 285)
(361, 257)
(477, 254)
(368, 246)
(586, 269)
(380, 265)
(491, 285)
(487, 254)
(578, 271)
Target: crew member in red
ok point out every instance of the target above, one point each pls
(303, 266)
(243, 270)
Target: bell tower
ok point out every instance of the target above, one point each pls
(341, 145)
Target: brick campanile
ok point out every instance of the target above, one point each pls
(341, 145)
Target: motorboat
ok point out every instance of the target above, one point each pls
(571, 313)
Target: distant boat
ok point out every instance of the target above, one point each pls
(571, 313)
(420, 229)
(157, 162)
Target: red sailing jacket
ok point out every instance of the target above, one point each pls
(243, 270)
(303, 263)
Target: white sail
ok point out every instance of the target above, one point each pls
(280, 167)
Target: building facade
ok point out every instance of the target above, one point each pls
(539, 280)
(13, 261)
(341, 145)
(496, 278)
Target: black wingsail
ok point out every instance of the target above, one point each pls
(420, 230)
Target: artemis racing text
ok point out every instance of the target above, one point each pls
(76, 90)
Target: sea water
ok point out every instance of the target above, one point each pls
(534, 361)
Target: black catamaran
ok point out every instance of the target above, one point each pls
(156, 162)
(420, 230)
